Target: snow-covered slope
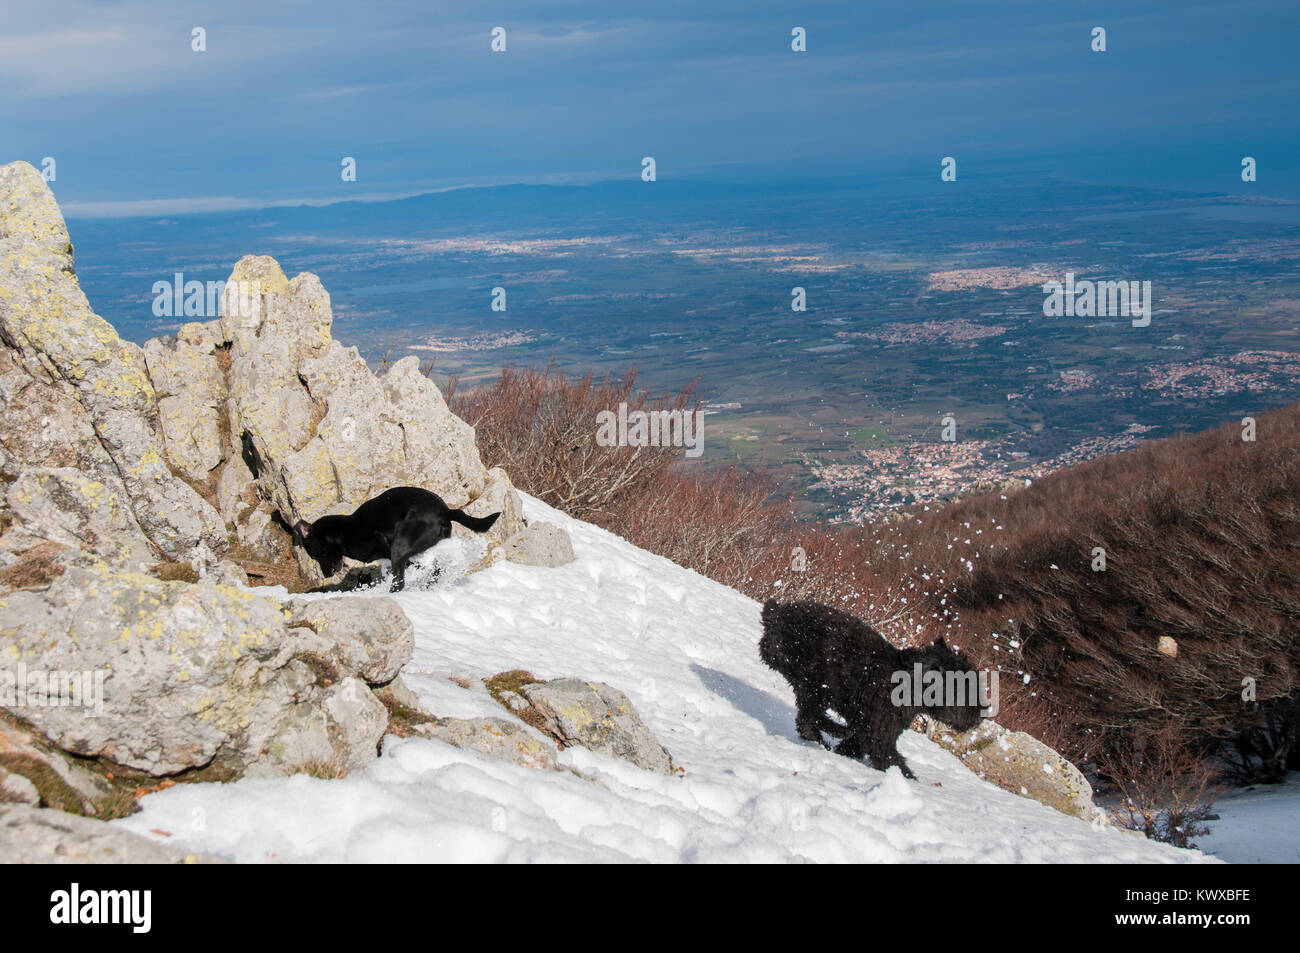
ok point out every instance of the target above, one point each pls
(1257, 825)
(684, 649)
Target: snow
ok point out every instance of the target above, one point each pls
(684, 650)
(1257, 825)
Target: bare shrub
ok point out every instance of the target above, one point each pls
(541, 426)
(1167, 786)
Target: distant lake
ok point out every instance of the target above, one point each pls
(1217, 211)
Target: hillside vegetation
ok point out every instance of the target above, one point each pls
(1183, 647)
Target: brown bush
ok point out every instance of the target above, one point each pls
(1201, 536)
(541, 426)
(1166, 786)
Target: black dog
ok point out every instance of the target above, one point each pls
(396, 525)
(835, 660)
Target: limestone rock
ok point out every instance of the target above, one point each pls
(43, 425)
(369, 637)
(191, 391)
(540, 544)
(46, 320)
(17, 789)
(225, 573)
(55, 780)
(497, 737)
(1021, 764)
(30, 835)
(325, 434)
(236, 490)
(330, 734)
(590, 714)
(193, 676)
(65, 506)
(498, 496)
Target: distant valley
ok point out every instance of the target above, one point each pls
(924, 310)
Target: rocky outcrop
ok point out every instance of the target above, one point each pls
(66, 506)
(30, 835)
(227, 432)
(57, 339)
(1021, 764)
(191, 390)
(590, 714)
(323, 434)
(540, 544)
(140, 487)
(371, 638)
(183, 677)
(495, 737)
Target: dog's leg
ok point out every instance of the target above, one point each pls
(399, 574)
(854, 746)
(885, 753)
(412, 537)
(833, 728)
(880, 753)
(405, 540)
(903, 766)
(808, 723)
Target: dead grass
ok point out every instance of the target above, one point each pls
(36, 569)
(174, 572)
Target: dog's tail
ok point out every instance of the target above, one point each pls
(479, 524)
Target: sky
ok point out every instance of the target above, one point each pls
(140, 123)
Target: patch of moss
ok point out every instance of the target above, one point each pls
(267, 570)
(122, 786)
(35, 570)
(54, 791)
(324, 672)
(402, 719)
(174, 572)
(511, 681)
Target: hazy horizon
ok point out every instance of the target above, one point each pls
(265, 114)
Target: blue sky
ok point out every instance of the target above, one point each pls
(138, 122)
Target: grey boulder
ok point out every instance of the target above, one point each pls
(592, 715)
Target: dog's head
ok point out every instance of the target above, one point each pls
(321, 544)
(960, 708)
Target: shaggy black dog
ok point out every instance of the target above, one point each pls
(834, 660)
(396, 525)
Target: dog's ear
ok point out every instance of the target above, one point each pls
(302, 528)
